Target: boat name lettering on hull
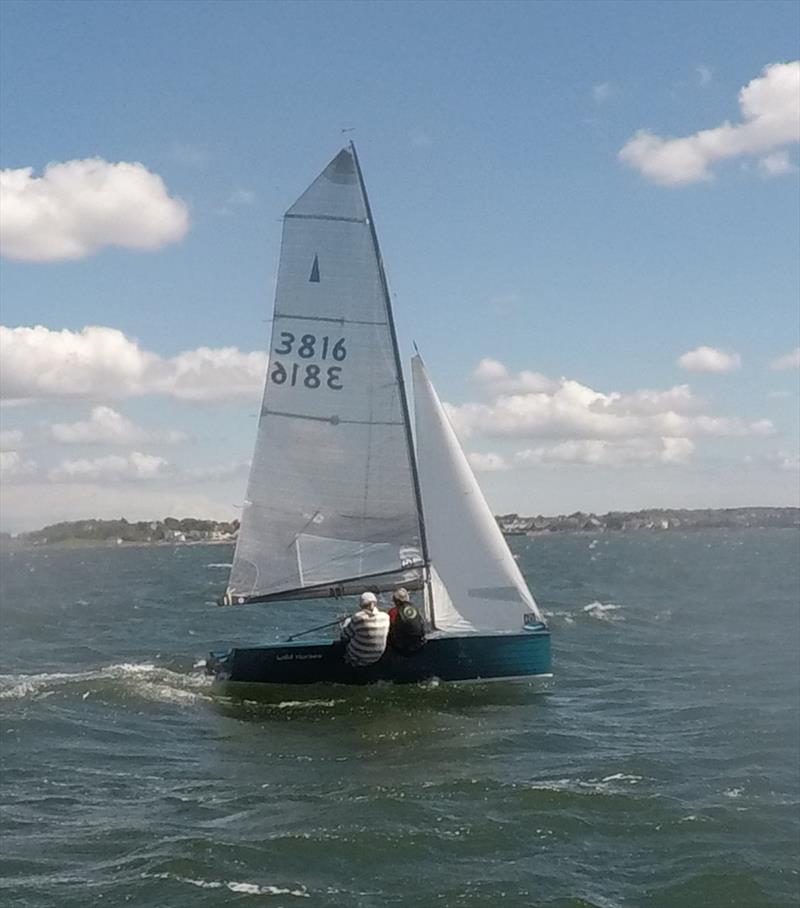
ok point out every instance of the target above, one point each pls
(289, 657)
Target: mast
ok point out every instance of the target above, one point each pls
(401, 382)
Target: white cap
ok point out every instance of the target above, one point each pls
(369, 599)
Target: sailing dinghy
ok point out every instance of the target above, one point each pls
(340, 500)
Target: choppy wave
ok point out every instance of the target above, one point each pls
(144, 679)
(659, 772)
(596, 610)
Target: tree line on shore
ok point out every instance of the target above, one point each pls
(172, 529)
(653, 519)
(191, 529)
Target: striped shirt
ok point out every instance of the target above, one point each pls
(365, 634)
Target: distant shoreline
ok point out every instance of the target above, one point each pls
(78, 543)
(653, 519)
(193, 531)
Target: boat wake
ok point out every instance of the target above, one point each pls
(156, 683)
(144, 680)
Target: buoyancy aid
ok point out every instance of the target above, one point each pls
(407, 633)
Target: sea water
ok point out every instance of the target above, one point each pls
(660, 769)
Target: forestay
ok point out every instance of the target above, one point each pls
(477, 585)
(331, 503)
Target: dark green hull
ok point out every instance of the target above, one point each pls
(467, 658)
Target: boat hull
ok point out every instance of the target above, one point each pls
(467, 658)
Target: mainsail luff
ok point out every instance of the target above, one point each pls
(331, 495)
(398, 364)
(412, 457)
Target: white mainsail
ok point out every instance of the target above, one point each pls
(477, 585)
(331, 503)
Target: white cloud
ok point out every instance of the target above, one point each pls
(113, 468)
(137, 485)
(789, 361)
(13, 465)
(188, 155)
(214, 373)
(709, 359)
(497, 378)
(704, 74)
(570, 410)
(785, 462)
(238, 198)
(214, 472)
(776, 165)
(11, 439)
(29, 506)
(102, 363)
(596, 452)
(776, 461)
(490, 370)
(505, 303)
(107, 426)
(723, 427)
(241, 197)
(676, 450)
(487, 463)
(78, 207)
(678, 399)
(770, 107)
(601, 92)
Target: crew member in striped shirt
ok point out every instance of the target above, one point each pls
(365, 632)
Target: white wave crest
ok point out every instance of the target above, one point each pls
(733, 792)
(294, 704)
(306, 704)
(598, 610)
(603, 611)
(594, 785)
(566, 616)
(232, 885)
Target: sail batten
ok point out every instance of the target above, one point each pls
(324, 217)
(331, 492)
(319, 318)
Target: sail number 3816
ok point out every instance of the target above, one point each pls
(310, 375)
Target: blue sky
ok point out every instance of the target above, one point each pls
(490, 136)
